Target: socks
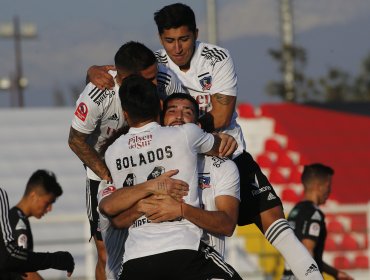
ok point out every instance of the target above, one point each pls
(282, 237)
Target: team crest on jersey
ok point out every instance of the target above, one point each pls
(157, 171)
(22, 241)
(130, 180)
(206, 82)
(81, 111)
(204, 182)
(108, 190)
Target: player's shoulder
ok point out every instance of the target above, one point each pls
(161, 56)
(210, 52)
(220, 163)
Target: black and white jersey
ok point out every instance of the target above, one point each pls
(21, 228)
(99, 112)
(308, 222)
(114, 238)
(216, 177)
(145, 153)
(212, 71)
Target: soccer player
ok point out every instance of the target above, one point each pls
(207, 72)
(308, 221)
(113, 235)
(168, 250)
(98, 116)
(17, 259)
(41, 192)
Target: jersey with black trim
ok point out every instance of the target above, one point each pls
(145, 153)
(216, 177)
(21, 228)
(114, 238)
(211, 71)
(308, 222)
(99, 112)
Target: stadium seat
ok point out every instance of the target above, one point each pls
(265, 160)
(349, 243)
(284, 160)
(273, 145)
(334, 226)
(277, 177)
(246, 110)
(361, 262)
(289, 195)
(295, 175)
(342, 262)
(330, 244)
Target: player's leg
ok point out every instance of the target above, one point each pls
(261, 205)
(93, 215)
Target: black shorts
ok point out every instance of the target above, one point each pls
(203, 264)
(256, 193)
(92, 187)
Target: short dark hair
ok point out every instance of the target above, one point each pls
(44, 180)
(139, 98)
(174, 16)
(180, 95)
(316, 171)
(134, 57)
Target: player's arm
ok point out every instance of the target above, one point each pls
(77, 141)
(337, 274)
(32, 276)
(223, 107)
(126, 218)
(310, 244)
(126, 197)
(222, 221)
(99, 76)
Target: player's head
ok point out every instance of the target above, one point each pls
(136, 58)
(179, 108)
(139, 100)
(41, 192)
(177, 32)
(316, 179)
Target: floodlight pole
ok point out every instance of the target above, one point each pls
(16, 33)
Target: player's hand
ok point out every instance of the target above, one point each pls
(343, 276)
(161, 208)
(63, 261)
(228, 145)
(99, 76)
(175, 188)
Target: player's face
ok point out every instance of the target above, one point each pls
(42, 204)
(179, 44)
(325, 189)
(149, 73)
(179, 111)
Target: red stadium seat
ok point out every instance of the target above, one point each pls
(246, 110)
(349, 243)
(277, 177)
(334, 226)
(295, 175)
(273, 145)
(330, 244)
(289, 195)
(265, 161)
(342, 262)
(284, 160)
(361, 262)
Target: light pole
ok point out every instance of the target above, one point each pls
(17, 32)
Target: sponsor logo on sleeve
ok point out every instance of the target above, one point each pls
(314, 229)
(108, 190)
(81, 111)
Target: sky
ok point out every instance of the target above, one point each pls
(73, 35)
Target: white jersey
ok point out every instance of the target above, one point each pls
(216, 177)
(113, 238)
(99, 112)
(145, 153)
(211, 71)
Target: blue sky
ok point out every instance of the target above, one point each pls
(72, 35)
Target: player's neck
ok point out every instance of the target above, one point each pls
(24, 206)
